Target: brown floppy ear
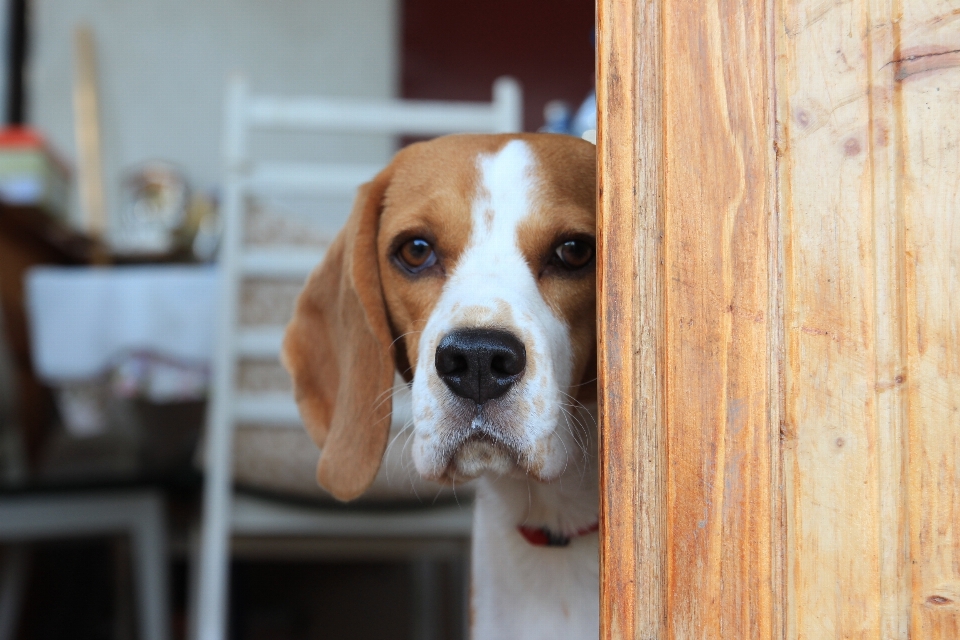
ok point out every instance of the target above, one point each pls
(338, 349)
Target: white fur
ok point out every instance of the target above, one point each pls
(519, 590)
(529, 592)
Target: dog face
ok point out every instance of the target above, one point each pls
(468, 266)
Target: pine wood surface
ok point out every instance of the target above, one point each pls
(685, 270)
(779, 207)
(633, 477)
(870, 181)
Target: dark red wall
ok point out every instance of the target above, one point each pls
(453, 50)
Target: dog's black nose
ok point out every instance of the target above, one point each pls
(480, 364)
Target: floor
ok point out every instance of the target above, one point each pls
(81, 591)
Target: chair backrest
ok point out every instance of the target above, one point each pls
(245, 176)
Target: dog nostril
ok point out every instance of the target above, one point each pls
(505, 365)
(480, 364)
(450, 362)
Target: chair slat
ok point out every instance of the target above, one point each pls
(408, 117)
(280, 263)
(272, 409)
(291, 178)
(260, 343)
(253, 516)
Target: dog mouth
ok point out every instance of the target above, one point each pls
(479, 448)
(459, 441)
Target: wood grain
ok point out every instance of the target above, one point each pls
(924, 63)
(869, 190)
(801, 270)
(633, 476)
(718, 175)
(687, 346)
(832, 426)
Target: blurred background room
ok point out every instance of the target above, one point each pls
(170, 170)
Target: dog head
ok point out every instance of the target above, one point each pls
(468, 266)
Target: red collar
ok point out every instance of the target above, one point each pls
(543, 537)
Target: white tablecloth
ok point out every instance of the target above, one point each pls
(81, 318)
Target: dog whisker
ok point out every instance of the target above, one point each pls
(393, 441)
(402, 336)
(529, 499)
(583, 448)
(578, 404)
(380, 399)
(577, 432)
(453, 485)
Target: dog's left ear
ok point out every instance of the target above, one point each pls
(338, 349)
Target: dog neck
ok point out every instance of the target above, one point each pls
(527, 590)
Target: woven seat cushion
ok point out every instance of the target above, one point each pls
(283, 460)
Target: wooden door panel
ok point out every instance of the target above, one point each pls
(780, 347)
(688, 253)
(717, 183)
(633, 470)
(869, 194)
(926, 109)
(837, 424)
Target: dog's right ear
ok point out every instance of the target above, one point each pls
(338, 349)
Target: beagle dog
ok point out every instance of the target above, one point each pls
(467, 265)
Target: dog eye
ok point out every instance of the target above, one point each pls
(416, 255)
(574, 254)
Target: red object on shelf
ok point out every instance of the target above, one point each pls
(30, 138)
(31, 173)
(21, 137)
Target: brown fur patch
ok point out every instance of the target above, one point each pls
(564, 207)
(431, 196)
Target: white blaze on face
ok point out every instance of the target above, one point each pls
(493, 286)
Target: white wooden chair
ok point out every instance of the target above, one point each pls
(224, 514)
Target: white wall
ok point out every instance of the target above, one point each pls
(163, 65)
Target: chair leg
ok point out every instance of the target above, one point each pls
(193, 582)
(214, 569)
(464, 577)
(150, 568)
(11, 588)
(212, 605)
(426, 595)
